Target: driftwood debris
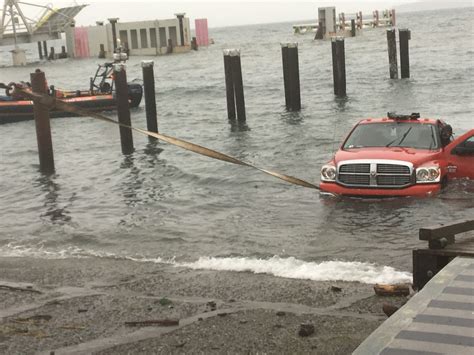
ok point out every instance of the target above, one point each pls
(15, 288)
(392, 290)
(158, 322)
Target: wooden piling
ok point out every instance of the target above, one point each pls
(238, 85)
(291, 76)
(123, 108)
(40, 50)
(353, 28)
(339, 66)
(392, 53)
(229, 86)
(63, 52)
(334, 65)
(43, 128)
(150, 97)
(45, 49)
(404, 35)
(286, 85)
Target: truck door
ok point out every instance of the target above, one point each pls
(459, 155)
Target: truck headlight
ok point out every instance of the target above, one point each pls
(428, 174)
(328, 173)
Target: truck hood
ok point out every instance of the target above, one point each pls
(414, 156)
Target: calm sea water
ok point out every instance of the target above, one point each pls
(163, 203)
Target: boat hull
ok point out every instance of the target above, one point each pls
(22, 110)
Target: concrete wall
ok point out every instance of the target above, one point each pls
(140, 37)
(97, 36)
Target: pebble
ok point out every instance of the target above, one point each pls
(306, 329)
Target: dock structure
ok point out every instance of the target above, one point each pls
(153, 37)
(16, 28)
(442, 248)
(327, 26)
(439, 319)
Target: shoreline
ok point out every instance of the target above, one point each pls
(82, 305)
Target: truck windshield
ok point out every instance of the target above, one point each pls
(393, 134)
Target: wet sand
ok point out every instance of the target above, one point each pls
(81, 306)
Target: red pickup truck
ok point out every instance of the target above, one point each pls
(399, 155)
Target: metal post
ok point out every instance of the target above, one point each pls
(40, 50)
(404, 35)
(353, 28)
(341, 67)
(123, 108)
(294, 77)
(45, 49)
(392, 53)
(150, 98)
(238, 85)
(229, 86)
(43, 128)
(113, 22)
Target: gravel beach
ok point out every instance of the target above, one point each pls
(112, 306)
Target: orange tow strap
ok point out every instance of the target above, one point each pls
(52, 102)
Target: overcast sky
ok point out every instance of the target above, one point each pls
(226, 12)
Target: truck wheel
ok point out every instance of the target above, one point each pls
(444, 182)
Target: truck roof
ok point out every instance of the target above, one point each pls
(386, 119)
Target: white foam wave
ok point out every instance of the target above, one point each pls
(298, 269)
(281, 267)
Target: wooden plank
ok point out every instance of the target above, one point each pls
(440, 231)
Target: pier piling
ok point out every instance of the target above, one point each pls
(238, 85)
(291, 76)
(194, 45)
(113, 22)
(101, 51)
(392, 53)
(150, 97)
(234, 85)
(45, 49)
(353, 27)
(123, 107)
(63, 52)
(43, 127)
(339, 66)
(229, 87)
(404, 36)
(40, 50)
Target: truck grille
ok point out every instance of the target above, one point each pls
(382, 173)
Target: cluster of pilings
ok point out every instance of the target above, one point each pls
(234, 90)
(404, 36)
(42, 115)
(291, 78)
(43, 52)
